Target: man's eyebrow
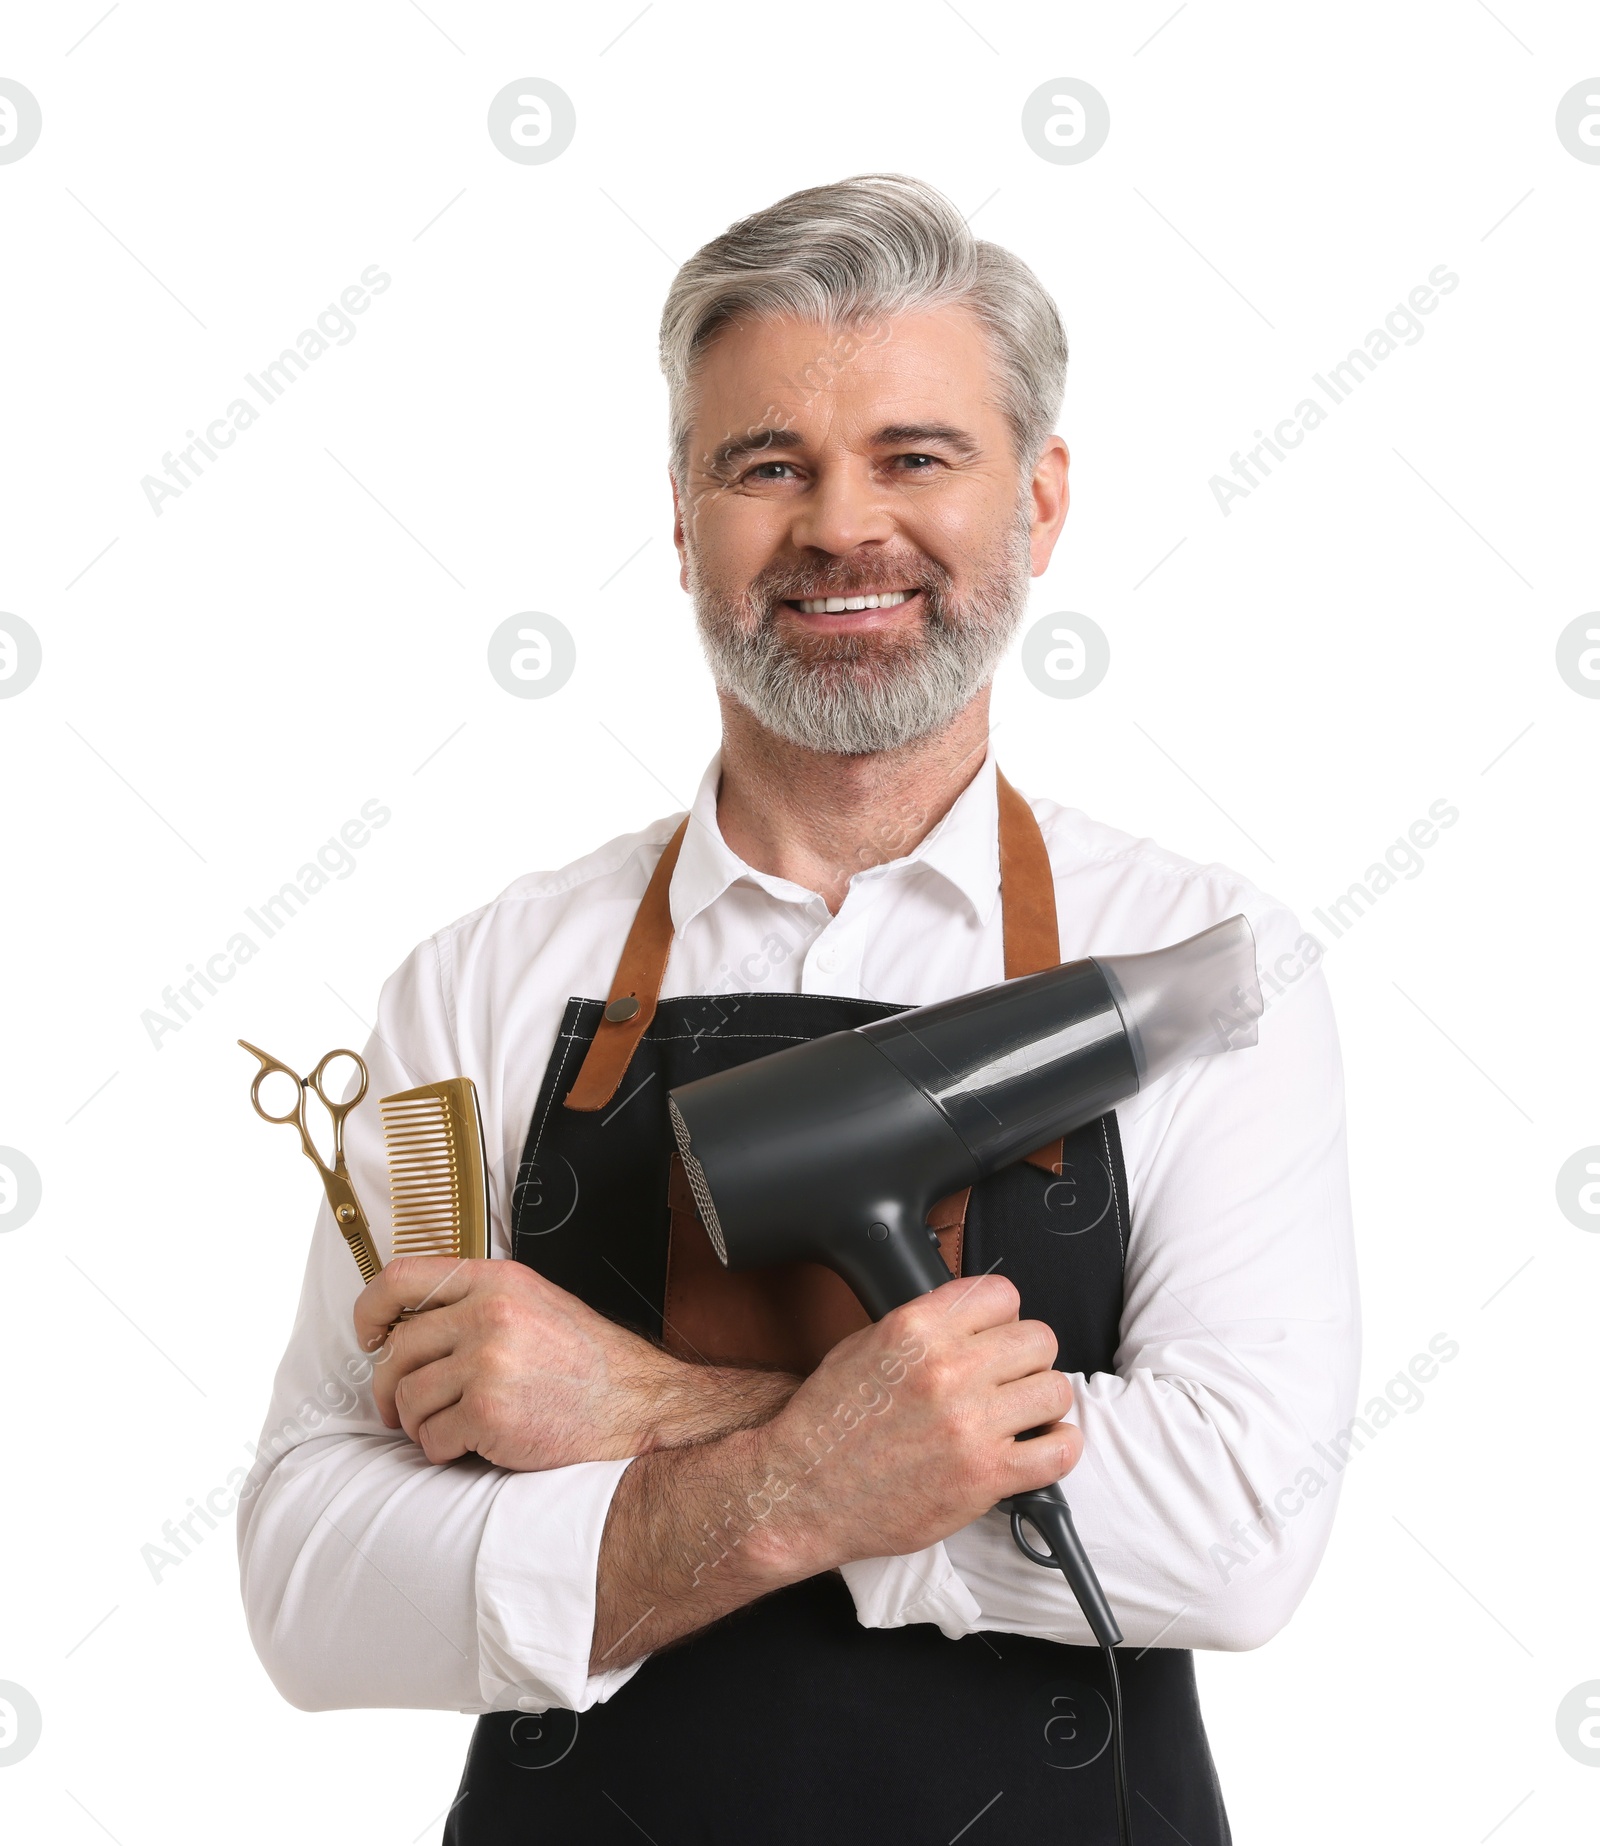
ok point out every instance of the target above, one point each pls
(945, 434)
(756, 442)
(762, 441)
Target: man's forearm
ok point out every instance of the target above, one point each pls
(699, 1403)
(689, 1538)
(907, 1431)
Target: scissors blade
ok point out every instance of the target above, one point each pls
(351, 1220)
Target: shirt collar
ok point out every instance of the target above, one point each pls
(964, 849)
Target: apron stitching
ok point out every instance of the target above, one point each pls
(687, 1038)
(550, 1099)
(758, 993)
(1105, 1136)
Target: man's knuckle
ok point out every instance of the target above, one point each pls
(994, 1294)
(1042, 1338)
(402, 1271)
(499, 1313)
(905, 1322)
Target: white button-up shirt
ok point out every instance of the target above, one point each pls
(1206, 1489)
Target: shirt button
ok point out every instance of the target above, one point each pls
(827, 960)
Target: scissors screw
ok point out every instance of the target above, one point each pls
(345, 1213)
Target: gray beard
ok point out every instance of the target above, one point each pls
(855, 695)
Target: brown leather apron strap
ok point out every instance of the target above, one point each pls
(635, 988)
(1027, 888)
(1027, 910)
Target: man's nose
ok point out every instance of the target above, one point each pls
(844, 508)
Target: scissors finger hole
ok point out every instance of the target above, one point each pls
(277, 1095)
(338, 1072)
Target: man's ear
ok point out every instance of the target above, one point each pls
(677, 533)
(1050, 497)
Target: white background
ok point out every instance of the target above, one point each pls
(1373, 629)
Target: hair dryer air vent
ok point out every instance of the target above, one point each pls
(697, 1183)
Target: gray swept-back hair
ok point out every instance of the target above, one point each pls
(860, 250)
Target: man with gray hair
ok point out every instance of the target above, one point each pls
(713, 1558)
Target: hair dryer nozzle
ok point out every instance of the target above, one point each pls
(1191, 1000)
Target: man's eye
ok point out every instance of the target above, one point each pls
(763, 471)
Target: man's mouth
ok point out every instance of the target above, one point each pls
(839, 605)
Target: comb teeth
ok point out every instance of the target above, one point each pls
(438, 1191)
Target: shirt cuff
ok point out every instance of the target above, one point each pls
(920, 1587)
(535, 1590)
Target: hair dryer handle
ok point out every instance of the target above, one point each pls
(888, 1259)
(1047, 1511)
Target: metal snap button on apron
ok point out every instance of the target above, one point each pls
(619, 1010)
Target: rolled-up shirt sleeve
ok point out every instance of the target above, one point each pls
(1211, 1467)
(370, 1576)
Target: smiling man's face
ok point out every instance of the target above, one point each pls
(870, 467)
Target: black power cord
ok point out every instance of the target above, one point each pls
(1050, 1516)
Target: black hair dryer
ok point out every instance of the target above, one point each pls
(835, 1150)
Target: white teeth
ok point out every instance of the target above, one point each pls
(832, 605)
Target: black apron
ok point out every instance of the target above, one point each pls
(788, 1722)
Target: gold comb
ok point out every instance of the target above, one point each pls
(438, 1171)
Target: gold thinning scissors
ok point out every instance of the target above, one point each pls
(347, 1212)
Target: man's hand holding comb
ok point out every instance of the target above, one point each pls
(502, 1363)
